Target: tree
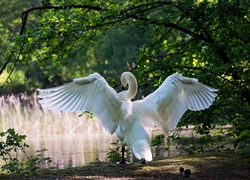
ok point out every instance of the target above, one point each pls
(9, 27)
(205, 39)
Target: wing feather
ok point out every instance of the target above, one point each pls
(171, 100)
(61, 100)
(91, 93)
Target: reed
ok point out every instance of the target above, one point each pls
(25, 115)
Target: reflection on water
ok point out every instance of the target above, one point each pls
(77, 149)
(70, 150)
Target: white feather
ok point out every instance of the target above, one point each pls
(91, 93)
(172, 99)
(127, 119)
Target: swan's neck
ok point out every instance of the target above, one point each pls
(128, 78)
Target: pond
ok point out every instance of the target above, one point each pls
(70, 150)
(76, 149)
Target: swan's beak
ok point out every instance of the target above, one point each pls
(123, 88)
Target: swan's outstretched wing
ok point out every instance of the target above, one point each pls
(91, 93)
(171, 100)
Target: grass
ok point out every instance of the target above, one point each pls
(25, 115)
(219, 165)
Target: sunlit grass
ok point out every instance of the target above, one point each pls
(25, 115)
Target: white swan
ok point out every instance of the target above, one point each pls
(162, 108)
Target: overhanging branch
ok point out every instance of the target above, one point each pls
(26, 13)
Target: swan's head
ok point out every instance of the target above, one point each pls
(127, 78)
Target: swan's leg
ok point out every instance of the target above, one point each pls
(143, 161)
(123, 161)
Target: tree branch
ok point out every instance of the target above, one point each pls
(26, 13)
(25, 17)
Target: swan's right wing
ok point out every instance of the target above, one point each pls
(171, 100)
(91, 93)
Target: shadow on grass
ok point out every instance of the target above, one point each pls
(220, 165)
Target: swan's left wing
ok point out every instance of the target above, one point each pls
(164, 107)
(91, 93)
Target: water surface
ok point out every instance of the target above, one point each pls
(71, 150)
(77, 149)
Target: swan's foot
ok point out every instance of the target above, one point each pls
(122, 161)
(142, 161)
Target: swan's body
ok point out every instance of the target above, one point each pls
(162, 108)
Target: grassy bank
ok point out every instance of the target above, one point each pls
(220, 165)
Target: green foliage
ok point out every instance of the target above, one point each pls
(243, 144)
(13, 148)
(89, 114)
(157, 140)
(113, 154)
(163, 143)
